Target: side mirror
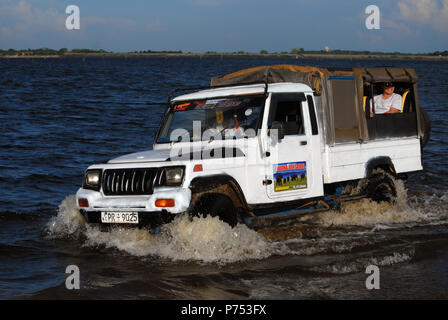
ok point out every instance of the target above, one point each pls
(278, 126)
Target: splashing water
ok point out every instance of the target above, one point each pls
(68, 222)
(359, 264)
(368, 213)
(200, 239)
(209, 240)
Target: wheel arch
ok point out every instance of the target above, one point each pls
(382, 162)
(218, 184)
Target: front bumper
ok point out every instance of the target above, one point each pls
(145, 219)
(148, 213)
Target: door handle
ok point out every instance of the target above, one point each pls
(303, 143)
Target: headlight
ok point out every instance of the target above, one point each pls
(174, 176)
(92, 180)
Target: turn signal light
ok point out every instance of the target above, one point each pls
(165, 203)
(84, 203)
(197, 168)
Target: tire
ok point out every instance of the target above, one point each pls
(381, 187)
(425, 121)
(217, 205)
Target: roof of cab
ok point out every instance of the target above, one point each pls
(243, 90)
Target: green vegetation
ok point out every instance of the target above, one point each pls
(366, 52)
(87, 51)
(46, 52)
(29, 52)
(297, 51)
(164, 51)
(438, 53)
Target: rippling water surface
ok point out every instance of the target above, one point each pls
(59, 116)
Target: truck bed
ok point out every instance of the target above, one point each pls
(348, 161)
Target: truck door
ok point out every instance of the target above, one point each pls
(290, 165)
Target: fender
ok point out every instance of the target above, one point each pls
(221, 183)
(382, 162)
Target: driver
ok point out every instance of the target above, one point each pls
(228, 124)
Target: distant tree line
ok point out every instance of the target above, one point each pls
(364, 52)
(87, 51)
(295, 51)
(163, 51)
(301, 51)
(46, 52)
(440, 53)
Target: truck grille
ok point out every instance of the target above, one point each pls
(129, 181)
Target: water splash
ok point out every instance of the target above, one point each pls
(209, 240)
(206, 240)
(360, 264)
(68, 221)
(199, 239)
(368, 213)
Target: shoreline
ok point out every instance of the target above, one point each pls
(236, 55)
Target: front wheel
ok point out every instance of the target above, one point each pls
(217, 205)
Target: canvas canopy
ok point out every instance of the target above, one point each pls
(310, 76)
(387, 74)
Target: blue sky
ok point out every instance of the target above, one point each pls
(226, 25)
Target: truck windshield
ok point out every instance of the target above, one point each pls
(218, 118)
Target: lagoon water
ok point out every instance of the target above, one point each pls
(58, 116)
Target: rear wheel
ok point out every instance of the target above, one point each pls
(217, 205)
(381, 187)
(425, 121)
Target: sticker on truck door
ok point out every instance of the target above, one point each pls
(290, 176)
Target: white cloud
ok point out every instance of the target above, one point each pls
(430, 12)
(24, 20)
(371, 40)
(217, 3)
(23, 24)
(5, 32)
(207, 3)
(398, 28)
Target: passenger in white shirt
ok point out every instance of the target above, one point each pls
(388, 102)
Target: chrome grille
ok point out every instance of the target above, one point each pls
(129, 181)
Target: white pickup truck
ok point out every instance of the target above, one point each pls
(264, 145)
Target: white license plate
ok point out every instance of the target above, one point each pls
(119, 217)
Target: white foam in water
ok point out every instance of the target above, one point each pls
(68, 221)
(360, 264)
(444, 197)
(367, 213)
(307, 247)
(201, 239)
(381, 215)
